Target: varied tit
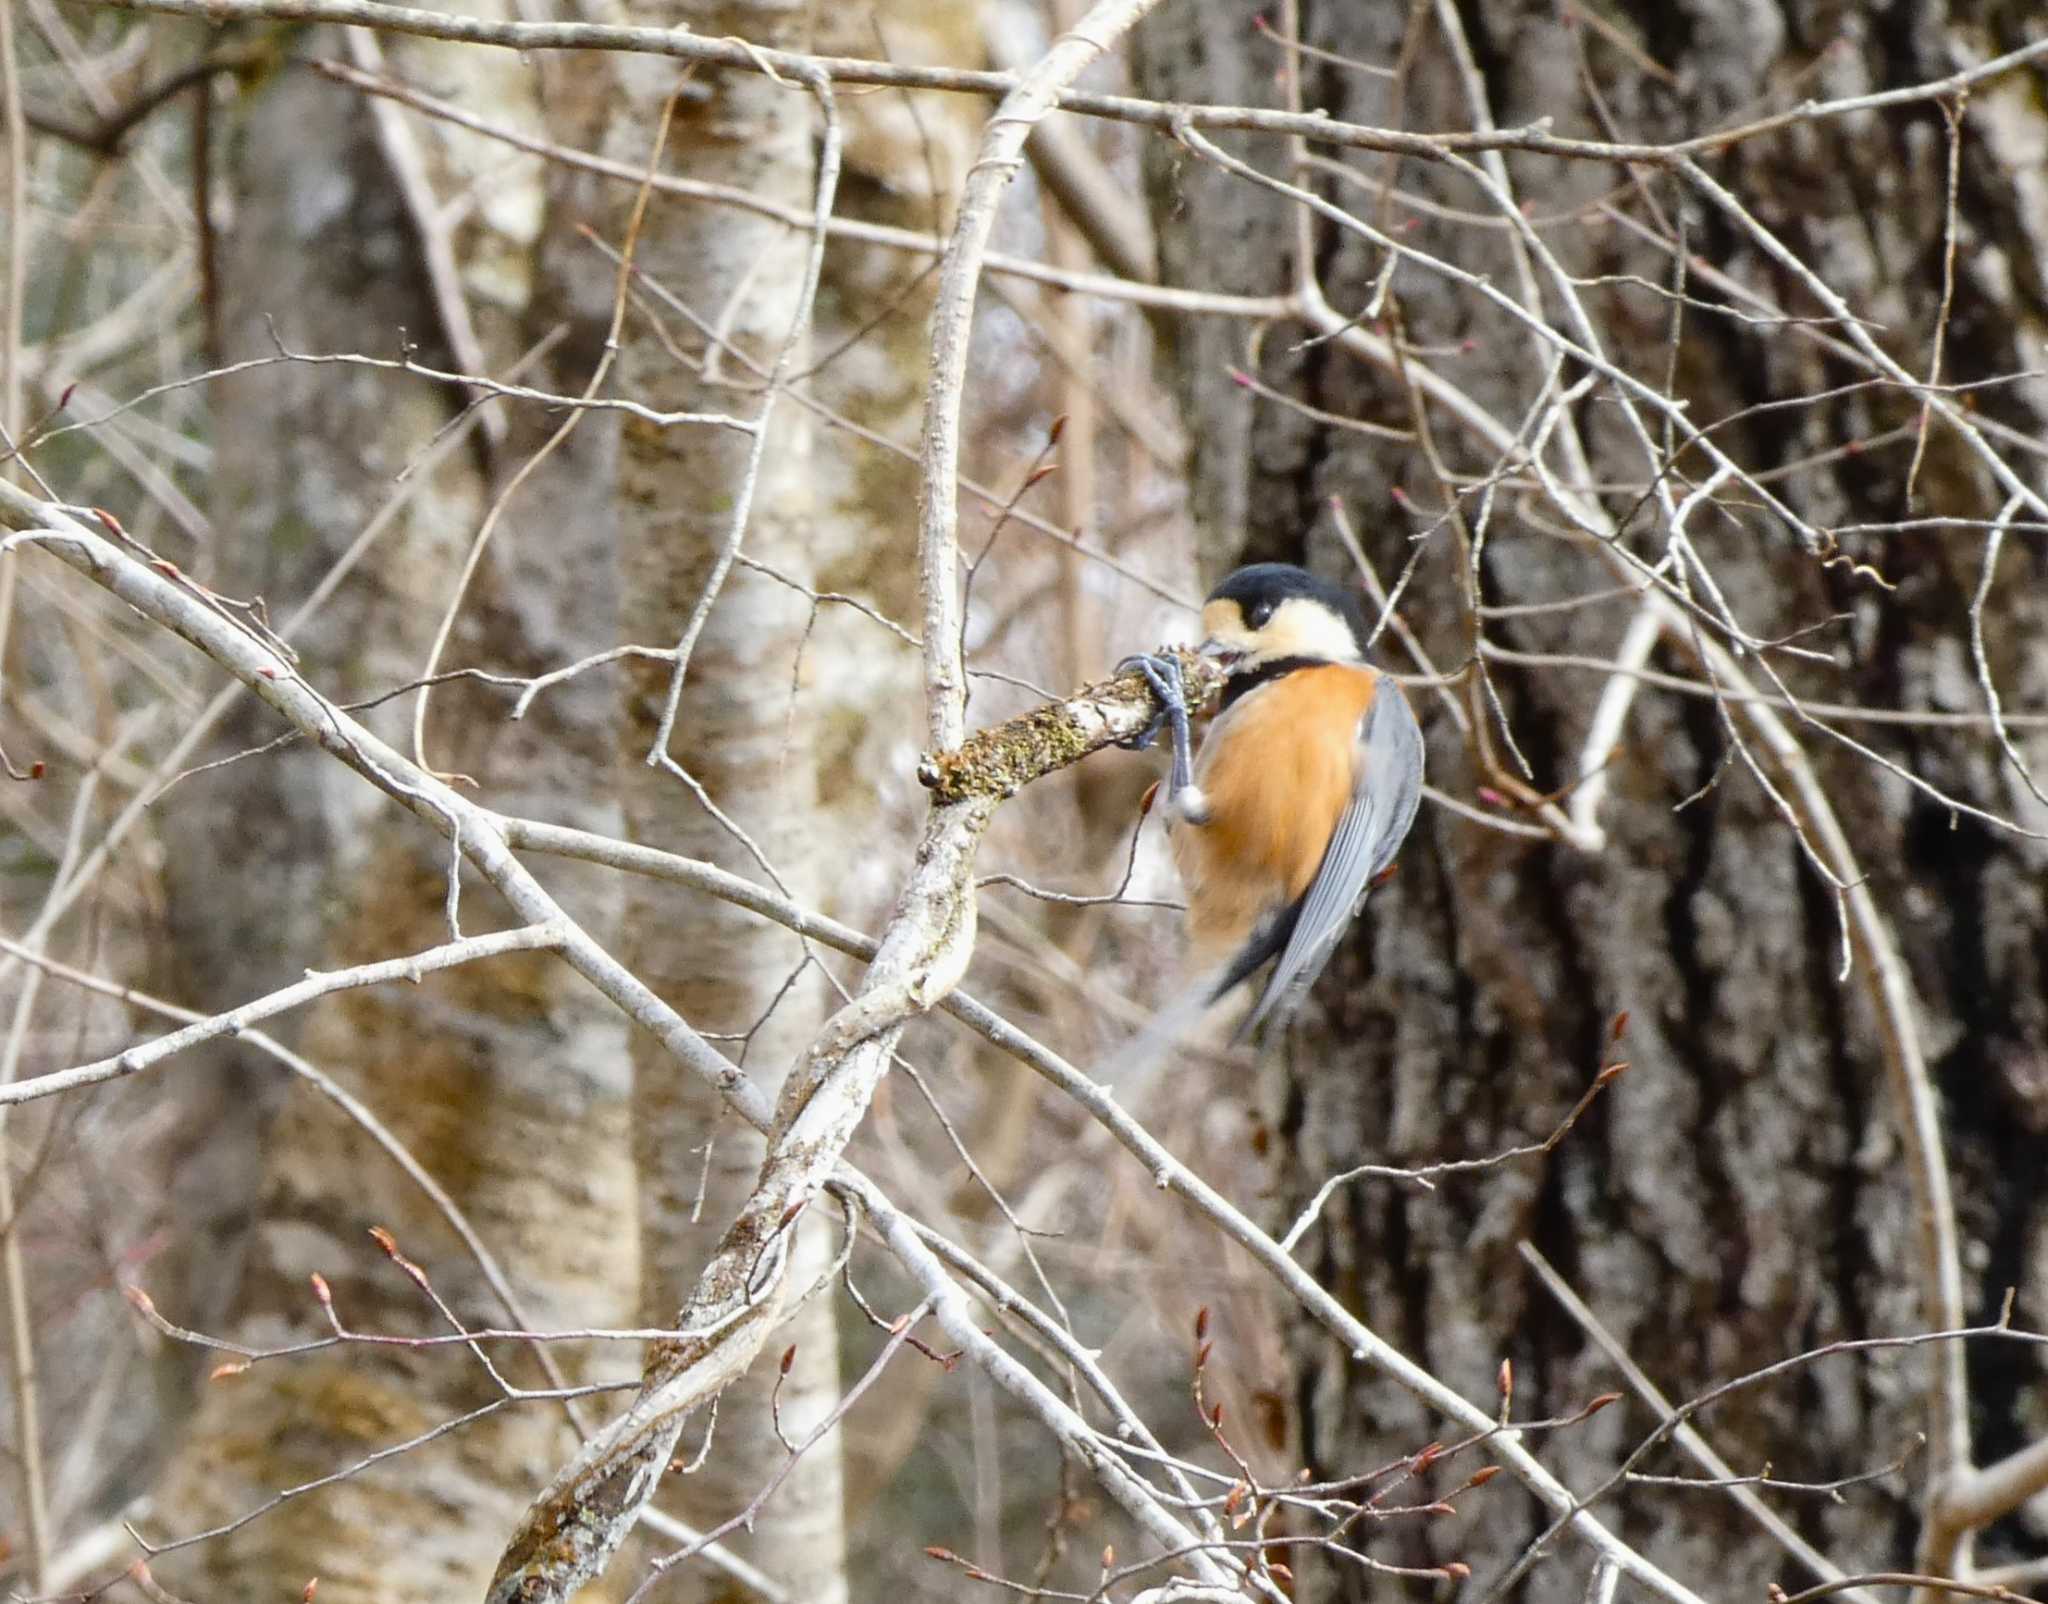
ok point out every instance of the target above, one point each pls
(1308, 780)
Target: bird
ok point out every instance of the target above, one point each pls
(1307, 783)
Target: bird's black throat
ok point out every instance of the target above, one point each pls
(1244, 681)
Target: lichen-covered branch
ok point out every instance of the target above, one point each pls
(1001, 760)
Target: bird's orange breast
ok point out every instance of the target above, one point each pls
(1277, 771)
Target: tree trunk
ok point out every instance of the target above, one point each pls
(506, 1080)
(786, 706)
(1741, 1194)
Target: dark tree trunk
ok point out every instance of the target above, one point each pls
(1740, 1195)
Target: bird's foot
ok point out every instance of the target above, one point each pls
(1163, 674)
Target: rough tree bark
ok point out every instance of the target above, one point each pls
(1739, 1196)
(507, 1081)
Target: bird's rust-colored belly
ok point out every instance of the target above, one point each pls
(1276, 771)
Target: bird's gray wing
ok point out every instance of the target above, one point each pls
(1369, 832)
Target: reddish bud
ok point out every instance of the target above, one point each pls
(933, 1551)
(789, 1358)
(1109, 1556)
(1483, 1475)
(1852, 448)
(36, 770)
(1216, 1417)
(1504, 1382)
(1400, 496)
(142, 1300)
(1242, 379)
(64, 400)
(1059, 427)
(1467, 345)
(385, 1240)
(1615, 1030)
(322, 1291)
(1201, 1322)
(1612, 1071)
(1458, 1571)
(306, 1593)
(1602, 1402)
(1275, 1568)
(233, 1367)
(1202, 1354)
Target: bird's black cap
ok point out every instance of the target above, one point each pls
(1274, 583)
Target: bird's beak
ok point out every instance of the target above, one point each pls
(1221, 651)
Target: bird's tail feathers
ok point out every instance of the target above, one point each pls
(1168, 1028)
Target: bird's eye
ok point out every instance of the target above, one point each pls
(1255, 616)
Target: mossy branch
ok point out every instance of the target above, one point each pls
(1004, 758)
